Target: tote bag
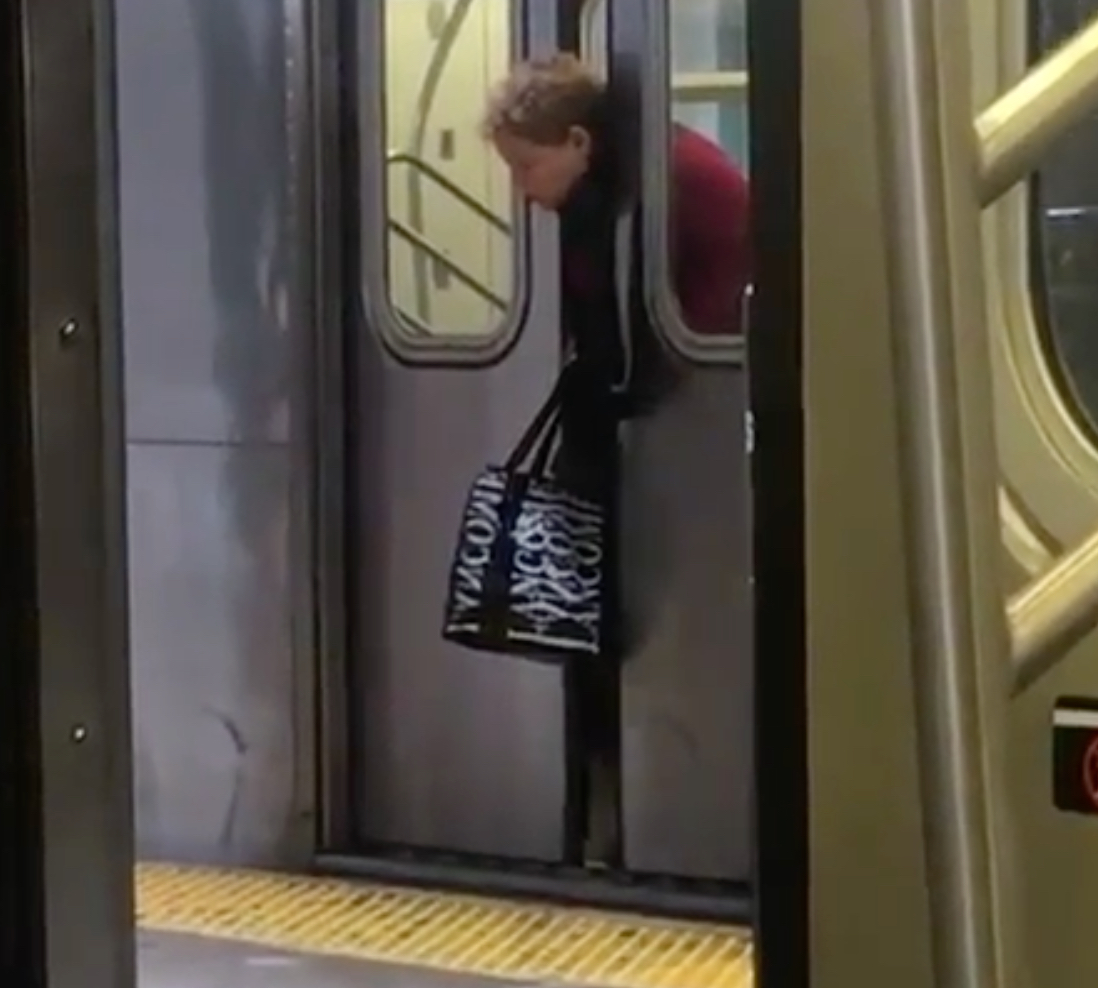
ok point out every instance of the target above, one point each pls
(528, 574)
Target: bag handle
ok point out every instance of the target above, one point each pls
(540, 465)
(542, 427)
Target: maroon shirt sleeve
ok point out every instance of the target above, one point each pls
(711, 240)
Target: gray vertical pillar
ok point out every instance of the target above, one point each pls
(947, 456)
(79, 499)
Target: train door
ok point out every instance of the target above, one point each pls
(66, 897)
(686, 681)
(459, 339)
(456, 346)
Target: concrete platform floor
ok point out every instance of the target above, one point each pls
(174, 961)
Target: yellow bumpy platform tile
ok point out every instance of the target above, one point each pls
(465, 934)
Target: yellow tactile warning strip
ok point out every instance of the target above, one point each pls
(459, 933)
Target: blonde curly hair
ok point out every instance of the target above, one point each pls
(542, 99)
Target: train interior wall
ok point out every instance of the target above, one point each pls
(213, 115)
(866, 833)
(1041, 274)
(860, 714)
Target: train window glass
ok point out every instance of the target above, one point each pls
(708, 99)
(593, 33)
(708, 63)
(708, 67)
(1065, 269)
(706, 58)
(453, 227)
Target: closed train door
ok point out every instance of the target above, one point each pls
(456, 347)
(456, 757)
(686, 680)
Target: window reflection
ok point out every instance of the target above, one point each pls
(1066, 229)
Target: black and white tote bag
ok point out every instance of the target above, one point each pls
(528, 575)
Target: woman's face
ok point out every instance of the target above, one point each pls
(545, 173)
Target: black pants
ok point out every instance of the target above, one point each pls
(589, 463)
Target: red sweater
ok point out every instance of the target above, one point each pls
(710, 234)
(709, 241)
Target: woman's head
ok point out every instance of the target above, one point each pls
(541, 119)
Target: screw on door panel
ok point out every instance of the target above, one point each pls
(68, 331)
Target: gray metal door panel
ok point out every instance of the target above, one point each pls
(687, 681)
(454, 749)
(459, 750)
(213, 687)
(213, 304)
(205, 165)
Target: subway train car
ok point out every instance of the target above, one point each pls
(278, 303)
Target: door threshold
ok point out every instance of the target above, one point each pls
(654, 895)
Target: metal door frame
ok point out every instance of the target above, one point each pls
(78, 477)
(773, 359)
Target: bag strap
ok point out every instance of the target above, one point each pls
(539, 467)
(542, 427)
